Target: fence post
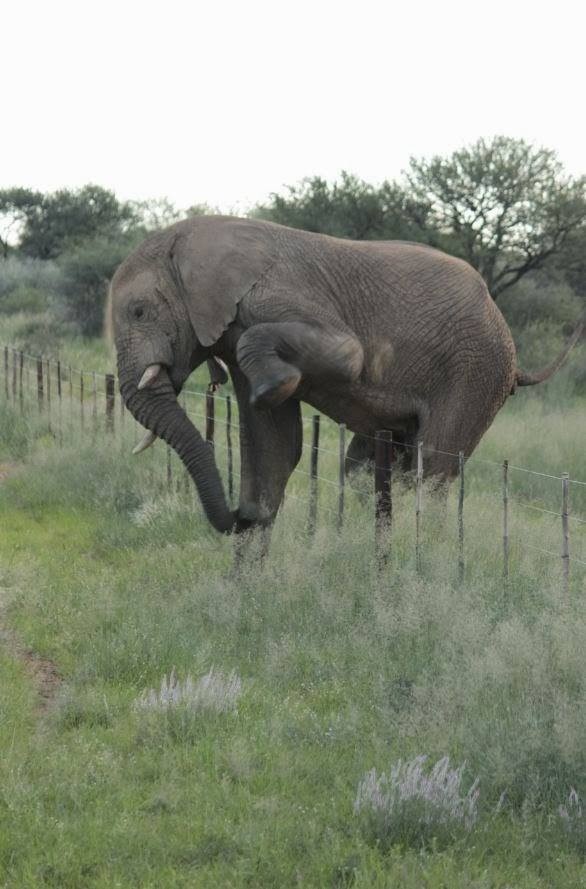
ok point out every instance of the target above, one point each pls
(210, 415)
(20, 381)
(49, 392)
(70, 402)
(566, 536)
(169, 469)
(312, 520)
(506, 522)
(461, 517)
(341, 473)
(14, 375)
(81, 393)
(6, 384)
(110, 402)
(418, 504)
(40, 382)
(95, 404)
(383, 452)
(229, 448)
(60, 401)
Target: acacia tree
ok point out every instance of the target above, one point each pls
(503, 205)
(68, 217)
(16, 206)
(348, 208)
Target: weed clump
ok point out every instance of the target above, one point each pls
(412, 806)
(214, 691)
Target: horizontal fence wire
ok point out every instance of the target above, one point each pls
(52, 384)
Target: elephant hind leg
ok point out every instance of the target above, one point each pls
(448, 429)
(275, 357)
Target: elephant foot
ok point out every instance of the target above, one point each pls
(271, 394)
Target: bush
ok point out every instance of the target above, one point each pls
(27, 285)
(87, 270)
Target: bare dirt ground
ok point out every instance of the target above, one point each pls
(44, 673)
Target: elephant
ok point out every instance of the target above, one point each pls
(374, 334)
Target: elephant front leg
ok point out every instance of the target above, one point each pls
(270, 449)
(275, 357)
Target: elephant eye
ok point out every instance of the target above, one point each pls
(139, 312)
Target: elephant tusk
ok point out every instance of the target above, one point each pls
(145, 442)
(150, 375)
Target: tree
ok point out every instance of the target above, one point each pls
(16, 206)
(155, 213)
(87, 269)
(503, 205)
(348, 208)
(64, 218)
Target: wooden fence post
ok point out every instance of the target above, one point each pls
(81, 407)
(461, 517)
(383, 453)
(95, 404)
(20, 381)
(506, 522)
(110, 402)
(418, 504)
(341, 473)
(40, 382)
(60, 402)
(14, 374)
(49, 393)
(210, 415)
(229, 448)
(566, 536)
(312, 519)
(169, 469)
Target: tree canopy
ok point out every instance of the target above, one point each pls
(503, 205)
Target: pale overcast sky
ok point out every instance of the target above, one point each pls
(225, 102)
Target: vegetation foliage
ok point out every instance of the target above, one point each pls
(285, 743)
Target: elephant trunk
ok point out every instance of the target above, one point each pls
(157, 409)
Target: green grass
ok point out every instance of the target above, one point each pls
(117, 578)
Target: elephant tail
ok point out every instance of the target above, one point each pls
(532, 379)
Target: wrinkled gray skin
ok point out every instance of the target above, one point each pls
(377, 335)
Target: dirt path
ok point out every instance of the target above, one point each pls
(43, 672)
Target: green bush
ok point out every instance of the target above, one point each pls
(24, 298)
(87, 269)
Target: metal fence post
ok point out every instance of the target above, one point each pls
(313, 490)
(461, 517)
(341, 473)
(418, 504)
(383, 450)
(506, 522)
(566, 536)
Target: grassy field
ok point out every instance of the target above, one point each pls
(342, 668)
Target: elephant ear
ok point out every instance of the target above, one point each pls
(217, 260)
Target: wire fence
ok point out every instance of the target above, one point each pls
(69, 398)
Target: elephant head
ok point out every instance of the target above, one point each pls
(172, 300)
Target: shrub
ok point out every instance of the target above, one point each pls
(25, 275)
(87, 270)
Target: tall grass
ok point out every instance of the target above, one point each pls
(345, 668)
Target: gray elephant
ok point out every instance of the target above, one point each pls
(377, 335)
